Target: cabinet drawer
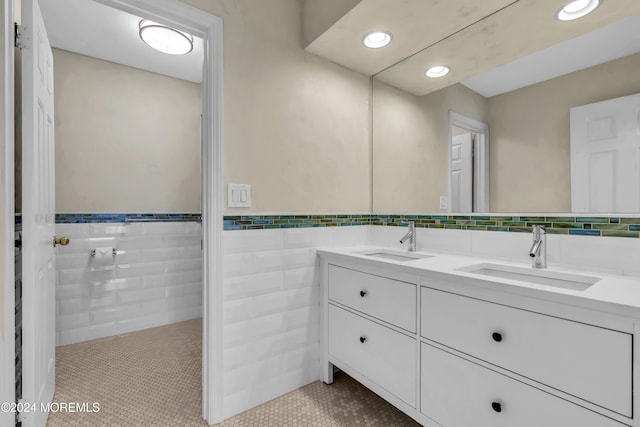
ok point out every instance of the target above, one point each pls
(384, 356)
(386, 299)
(459, 393)
(586, 361)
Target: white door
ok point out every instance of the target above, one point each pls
(38, 216)
(462, 173)
(605, 156)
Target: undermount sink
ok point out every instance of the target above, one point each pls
(540, 277)
(388, 254)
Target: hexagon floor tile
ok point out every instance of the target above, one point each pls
(151, 378)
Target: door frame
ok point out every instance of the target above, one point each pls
(209, 27)
(480, 160)
(7, 340)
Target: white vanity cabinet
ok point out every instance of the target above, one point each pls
(586, 361)
(384, 356)
(511, 366)
(450, 350)
(457, 392)
(370, 327)
(389, 300)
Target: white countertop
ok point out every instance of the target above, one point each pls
(615, 294)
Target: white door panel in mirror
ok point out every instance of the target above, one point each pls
(605, 156)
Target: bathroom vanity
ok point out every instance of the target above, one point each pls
(456, 341)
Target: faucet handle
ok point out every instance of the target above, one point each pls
(539, 228)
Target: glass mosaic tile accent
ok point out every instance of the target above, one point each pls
(585, 226)
(79, 218)
(254, 222)
(573, 225)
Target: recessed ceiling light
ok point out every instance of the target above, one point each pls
(577, 9)
(377, 39)
(165, 39)
(437, 71)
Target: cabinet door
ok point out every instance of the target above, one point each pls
(459, 393)
(592, 363)
(386, 299)
(384, 356)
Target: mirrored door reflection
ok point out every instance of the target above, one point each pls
(462, 171)
(468, 167)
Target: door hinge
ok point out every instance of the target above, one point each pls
(22, 39)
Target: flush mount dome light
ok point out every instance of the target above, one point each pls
(377, 39)
(165, 39)
(577, 9)
(437, 71)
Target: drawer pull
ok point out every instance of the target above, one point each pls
(363, 293)
(496, 406)
(497, 336)
(363, 339)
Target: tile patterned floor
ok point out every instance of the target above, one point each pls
(151, 378)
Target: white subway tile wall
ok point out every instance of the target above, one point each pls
(155, 278)
(271, 310)
(271, 287)
(271, 291)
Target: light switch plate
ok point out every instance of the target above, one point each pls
(444, 202)
(239, 195)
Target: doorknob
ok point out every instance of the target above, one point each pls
(64, 241)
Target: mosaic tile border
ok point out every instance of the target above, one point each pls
(260, 222)
(605, 226)
(81, 218)
(569, 225)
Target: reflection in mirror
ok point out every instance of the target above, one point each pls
(605, 156)
(468, 165)
(461, 171)
(411, 145)
(525, 102)
(530, 135)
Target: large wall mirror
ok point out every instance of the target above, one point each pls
(522, 73)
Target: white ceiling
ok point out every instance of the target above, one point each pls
(602, 45)
(93, 29)
(415, 24)
(517, 31)
(496, 48)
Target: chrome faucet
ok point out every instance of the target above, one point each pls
(538, 249)
(410, 236)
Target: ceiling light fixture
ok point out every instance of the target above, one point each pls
(377, 39)
(165, 39)
(576, 9)
(437, 71)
